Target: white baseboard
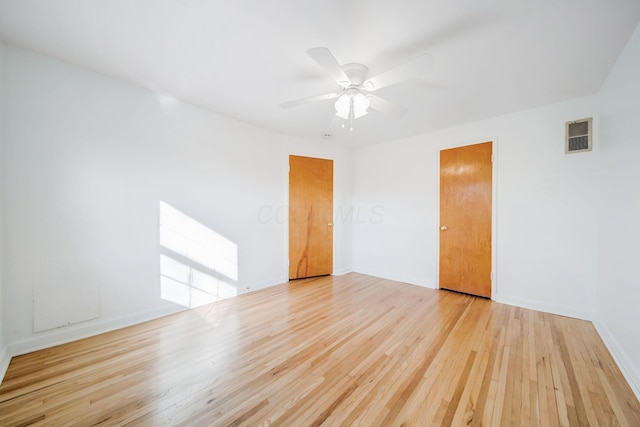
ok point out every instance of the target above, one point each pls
(342, 271)
(264, 284)
(543, 306)
(84, 330)
(624, 362)
(5, 359)
(417, 281)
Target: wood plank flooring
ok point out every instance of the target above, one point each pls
(337, 351)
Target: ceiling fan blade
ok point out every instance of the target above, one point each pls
(326, 60)
(423, 64)
(307, 100)
(387, 107)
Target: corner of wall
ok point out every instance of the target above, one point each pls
(342, 271)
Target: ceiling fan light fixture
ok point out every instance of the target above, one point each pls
(352, 106)
(360, 105)
(343, 106)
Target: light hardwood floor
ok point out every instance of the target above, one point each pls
(347, 350)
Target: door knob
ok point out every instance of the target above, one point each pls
(330, 224)
(444, 228)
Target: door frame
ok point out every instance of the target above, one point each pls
(494, 208)
(286, 204)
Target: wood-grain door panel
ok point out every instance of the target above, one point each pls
(310, 217)
(465, 219)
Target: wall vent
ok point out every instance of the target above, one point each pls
(578, 136)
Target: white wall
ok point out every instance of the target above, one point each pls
(87, 161)
(545, 216)
(4, 356)
(618, 286)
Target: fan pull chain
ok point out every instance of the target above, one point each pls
(351, 114)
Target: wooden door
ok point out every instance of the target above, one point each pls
(465, 219)
(310, 217)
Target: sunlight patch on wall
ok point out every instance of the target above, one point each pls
(199, 266)
(190, 287)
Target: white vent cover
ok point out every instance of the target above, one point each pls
(578, 136)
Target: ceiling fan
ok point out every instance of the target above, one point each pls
(355, 96)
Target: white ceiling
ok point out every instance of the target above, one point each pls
(242, 58)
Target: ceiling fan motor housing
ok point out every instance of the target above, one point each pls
(357, 74)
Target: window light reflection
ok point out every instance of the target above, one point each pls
(205, 267)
